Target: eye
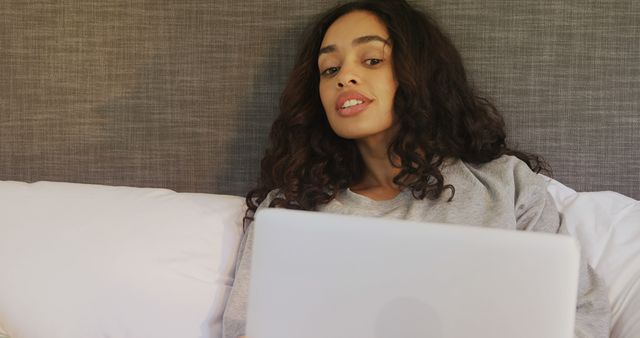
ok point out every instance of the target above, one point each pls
(329, 71)
(372, 61)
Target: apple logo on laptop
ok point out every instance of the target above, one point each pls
(407, 317)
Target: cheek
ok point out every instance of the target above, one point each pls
(388, 93)
(385, 86)
(326, 95)
(392, 85)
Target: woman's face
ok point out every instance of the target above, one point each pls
(357, 84)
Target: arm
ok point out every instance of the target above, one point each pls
(234, 317)
(593, 313)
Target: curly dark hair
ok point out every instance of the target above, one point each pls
(439, 116)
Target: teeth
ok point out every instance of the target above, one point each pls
(351, 103)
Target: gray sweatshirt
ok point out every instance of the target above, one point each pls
(503, 193)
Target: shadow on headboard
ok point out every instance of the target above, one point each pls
(181, 94)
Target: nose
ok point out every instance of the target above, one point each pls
(347, 77)
(348, 81)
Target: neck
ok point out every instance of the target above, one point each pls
(379, 173)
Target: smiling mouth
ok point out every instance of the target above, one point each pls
(351, 103)
(352, 107)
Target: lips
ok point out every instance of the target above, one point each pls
(351, 103)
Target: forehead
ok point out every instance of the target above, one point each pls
(353, 25)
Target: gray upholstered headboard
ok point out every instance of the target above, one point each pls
(181, 93)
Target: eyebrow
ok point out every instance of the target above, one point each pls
(357, 41)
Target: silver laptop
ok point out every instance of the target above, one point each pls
(325, 275)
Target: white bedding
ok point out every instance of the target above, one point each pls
(81, 261)
(97, 261)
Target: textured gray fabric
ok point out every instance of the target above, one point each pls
(181, 94)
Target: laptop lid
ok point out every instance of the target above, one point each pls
(325, 275)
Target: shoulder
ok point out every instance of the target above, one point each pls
(504, 166)
(507, 177)
(505, 170)
(508, 181)
(273, 194)
(533, 205)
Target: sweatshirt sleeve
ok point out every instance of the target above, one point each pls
(537, 212)
(234, 317)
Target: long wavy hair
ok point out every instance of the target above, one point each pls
(439, 116)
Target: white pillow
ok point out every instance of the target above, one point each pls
(607, 224)
(97, 261)
(82, 261)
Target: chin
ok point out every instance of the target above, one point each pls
(352, 135)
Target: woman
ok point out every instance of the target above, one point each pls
(378, 119)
